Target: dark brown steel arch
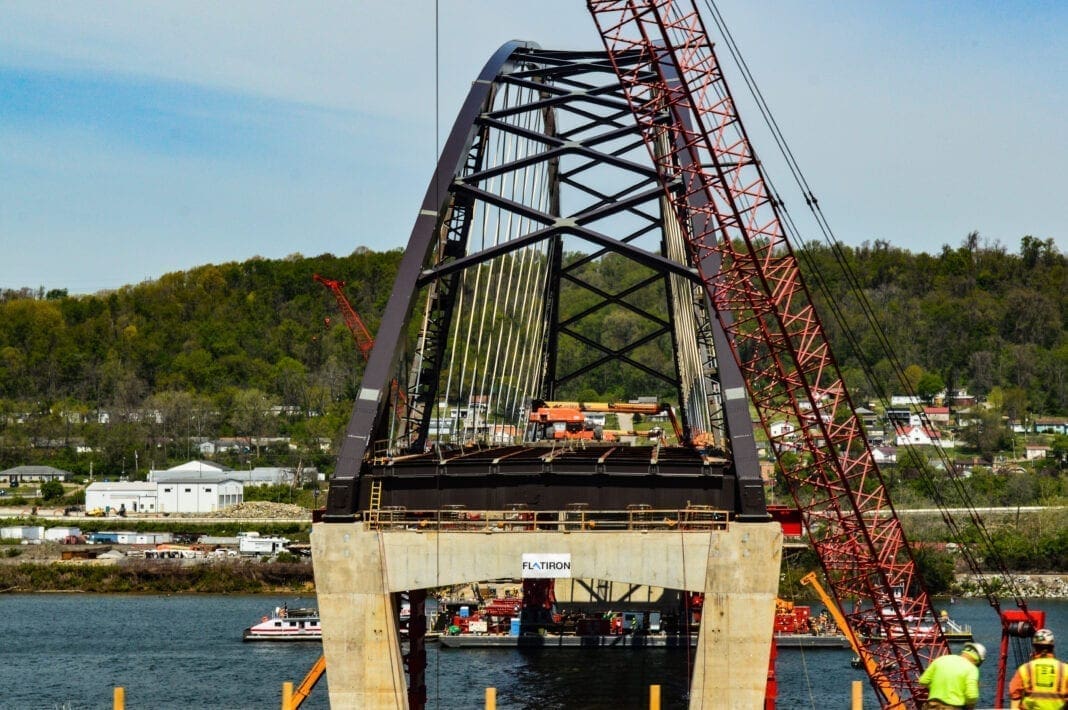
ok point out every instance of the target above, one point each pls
(726, 477)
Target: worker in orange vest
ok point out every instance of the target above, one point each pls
(1042, 682)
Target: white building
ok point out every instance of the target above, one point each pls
(189, 468)
(59, 534)
(23, 532)
(259, 476)
(131, 496)
(199, 494)
(184, 494)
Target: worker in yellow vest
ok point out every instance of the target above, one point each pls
(952, 680)
(1042, 682)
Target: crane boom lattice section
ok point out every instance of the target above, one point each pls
(678, 95)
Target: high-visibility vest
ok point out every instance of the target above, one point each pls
(1045, 684)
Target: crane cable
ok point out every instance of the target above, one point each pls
(813, 204)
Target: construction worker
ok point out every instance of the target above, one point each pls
(1042, 682)
(952, 681)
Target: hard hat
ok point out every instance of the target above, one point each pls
(976, 650)
(1042, 637)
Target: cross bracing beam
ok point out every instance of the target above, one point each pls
(544, 262)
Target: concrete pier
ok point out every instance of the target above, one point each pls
(358, 568)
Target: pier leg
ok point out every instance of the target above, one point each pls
(364, 649)
(734, 643)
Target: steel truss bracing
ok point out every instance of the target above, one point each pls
(543, 191)
(678, 95)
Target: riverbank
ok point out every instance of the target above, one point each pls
(137, 576)
(1029, 586)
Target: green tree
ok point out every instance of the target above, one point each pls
(930, 384)
(935, 568)
(51, 491)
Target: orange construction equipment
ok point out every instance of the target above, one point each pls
(305, 688)
(567, 420)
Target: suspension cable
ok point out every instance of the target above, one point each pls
(869, 314)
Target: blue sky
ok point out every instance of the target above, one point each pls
(140, 138)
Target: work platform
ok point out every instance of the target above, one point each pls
(603, 476)
(360, 566)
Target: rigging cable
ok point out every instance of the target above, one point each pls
(869, 314)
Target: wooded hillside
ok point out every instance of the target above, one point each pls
(213, 347)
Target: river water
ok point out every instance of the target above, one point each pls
(61, 651)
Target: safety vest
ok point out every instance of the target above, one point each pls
(1045, 684)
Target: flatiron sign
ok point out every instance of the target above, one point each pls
(546, 565)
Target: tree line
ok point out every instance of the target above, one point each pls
(211, 350)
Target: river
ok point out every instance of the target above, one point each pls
(60, 651)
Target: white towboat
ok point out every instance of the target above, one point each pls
(287, 625)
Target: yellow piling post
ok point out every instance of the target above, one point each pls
(491, 699)
(858, 695)
(287, 695)
(119, 698)
(654, 697)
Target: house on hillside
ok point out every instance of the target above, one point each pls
(938, 416)
(962, 400)
(35, 474)
(1051, 425)
(884, 455)
(918, 436)
(1033, 452)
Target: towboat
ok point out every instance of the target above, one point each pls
(286, 624)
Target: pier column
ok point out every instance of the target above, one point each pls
(365, 647)
(737, 619)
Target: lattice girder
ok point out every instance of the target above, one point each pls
(778, 338)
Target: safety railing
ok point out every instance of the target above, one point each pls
(458, 518)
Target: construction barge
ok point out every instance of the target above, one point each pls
(629, 641)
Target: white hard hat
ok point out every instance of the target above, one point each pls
(977, 650)
(1042, 637)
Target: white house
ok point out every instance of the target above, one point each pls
(199, 494)
(1033, 452)
(131, 496)
(918, 436)
(780, 429)
(884, 454)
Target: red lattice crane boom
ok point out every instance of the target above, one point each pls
(362, 336)
(710, 174)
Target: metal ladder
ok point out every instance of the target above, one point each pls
(376, 496)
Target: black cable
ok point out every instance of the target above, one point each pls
(790, 229)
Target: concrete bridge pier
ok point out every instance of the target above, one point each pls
(357, 570)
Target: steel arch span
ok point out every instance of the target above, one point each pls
(546, 256)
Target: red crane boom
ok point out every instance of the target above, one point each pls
(711, 176)
(362, 336)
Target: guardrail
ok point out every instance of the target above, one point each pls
(462, 519)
